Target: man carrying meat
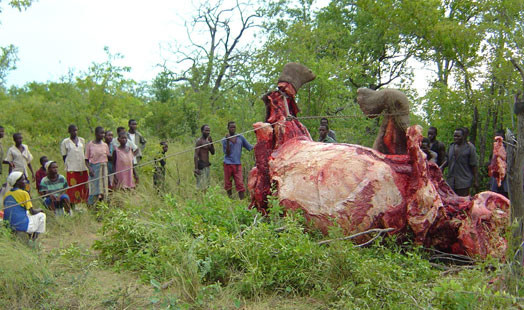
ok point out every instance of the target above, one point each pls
(498, 182)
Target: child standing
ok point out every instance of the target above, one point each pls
(41, 173)
(159, 175)
(123, 164)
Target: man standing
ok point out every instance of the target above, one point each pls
(436, 146)
(462, 163)
(159, 174)
(137, 139)
(204, 146)
(232, 147)
(19, 158)
(325, 122)
(323, 135)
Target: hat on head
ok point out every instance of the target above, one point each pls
(296, 74)
(14, 177)
(48, 164)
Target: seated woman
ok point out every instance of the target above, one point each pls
(55, 184)
(19, 211)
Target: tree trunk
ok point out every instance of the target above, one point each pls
(483, 144)
(474, 126)
(516, 192)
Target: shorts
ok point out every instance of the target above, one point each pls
(203, 178)
(48, 202)
(36, 223)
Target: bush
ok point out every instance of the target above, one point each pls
(212, 243)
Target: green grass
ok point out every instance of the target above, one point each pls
(212, 248)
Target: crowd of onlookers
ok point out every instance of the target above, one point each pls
(105, 163)
(92, 169)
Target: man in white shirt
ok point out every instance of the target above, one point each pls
(134, 136)
(19, 158)
(137, 138)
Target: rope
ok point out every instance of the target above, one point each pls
(351, 116)
(145, 163)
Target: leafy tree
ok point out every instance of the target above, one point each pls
(8, 57)
(215, 59)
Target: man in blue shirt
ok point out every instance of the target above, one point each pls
(232, 147)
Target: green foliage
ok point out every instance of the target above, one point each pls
(8, 60)
(213, 244)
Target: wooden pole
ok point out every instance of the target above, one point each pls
(516, 189)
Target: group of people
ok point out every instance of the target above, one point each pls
(461, 159)
(91, 170)
(232, 147)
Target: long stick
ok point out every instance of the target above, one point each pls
(374, 230)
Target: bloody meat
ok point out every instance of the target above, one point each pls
(360, 188)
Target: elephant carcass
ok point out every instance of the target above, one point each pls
(360, 189)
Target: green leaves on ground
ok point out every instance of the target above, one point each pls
(213, 244)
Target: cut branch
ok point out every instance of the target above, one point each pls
(375, 230)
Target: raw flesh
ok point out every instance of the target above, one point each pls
(360, 188)
(497, 166)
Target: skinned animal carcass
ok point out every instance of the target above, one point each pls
(360, 188)
(497, 166)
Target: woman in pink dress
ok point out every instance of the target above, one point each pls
(123, 164)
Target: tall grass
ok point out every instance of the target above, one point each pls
(25, 280)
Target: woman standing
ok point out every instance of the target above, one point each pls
(73, 152)
(97, 154)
